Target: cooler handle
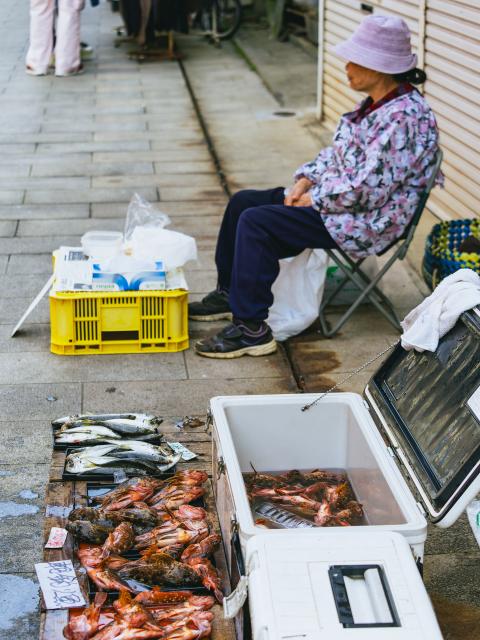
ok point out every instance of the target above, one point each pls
(372, 604)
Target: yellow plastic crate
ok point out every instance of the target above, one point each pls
(120, 322)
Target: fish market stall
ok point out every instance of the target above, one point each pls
(141, 530)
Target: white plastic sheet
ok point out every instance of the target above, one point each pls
(297, 293)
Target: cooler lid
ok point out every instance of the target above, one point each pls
(428, 406)
(358, 585)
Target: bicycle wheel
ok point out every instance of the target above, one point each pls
(226, 17)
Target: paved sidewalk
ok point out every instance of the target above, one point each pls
(72, 152)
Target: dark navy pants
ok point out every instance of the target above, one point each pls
(256, 232)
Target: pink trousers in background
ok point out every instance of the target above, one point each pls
(67, 47)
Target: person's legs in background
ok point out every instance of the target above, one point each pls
(215, 305)
(263, 235)
(41, 36)
(227, 235)
(67, 48)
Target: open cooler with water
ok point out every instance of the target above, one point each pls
(410, 447)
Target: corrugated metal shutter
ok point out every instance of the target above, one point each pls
(452, 63)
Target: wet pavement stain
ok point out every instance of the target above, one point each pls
(310, 360)
(310, 365)
(18, 599)
(26, 494)
(15, 509)
(312, 384)
(456, 620)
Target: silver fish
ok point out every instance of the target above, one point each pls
(107, 464)
(143, 450)
(124, 424)
(133, 457)
(79, 435)
(103, 416)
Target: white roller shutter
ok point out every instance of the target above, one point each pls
(446, 38)
(452, 64)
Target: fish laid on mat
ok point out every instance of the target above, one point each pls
(175, 498)
(92, 532)
(139, 450)
(159, 568)
(161, 598)
(208, 574)
(202, 549)
(139, 514)
(133, 621)
(180, 535)
(104, 459)
(100, 427)
(90, 556)
(125, 422)
(107, 580)
(85, 435)
(84, 626)
(128, 492)
(121, 539)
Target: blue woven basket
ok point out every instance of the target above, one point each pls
(442, 256)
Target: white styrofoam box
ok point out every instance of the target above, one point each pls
(272, 433)
(290, 594)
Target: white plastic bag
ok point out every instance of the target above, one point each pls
(297, 293)
(173, 248)
(141, 213)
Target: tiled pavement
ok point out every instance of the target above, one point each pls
(72, 152)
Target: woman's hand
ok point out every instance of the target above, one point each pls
(298, 190)
(305, 200)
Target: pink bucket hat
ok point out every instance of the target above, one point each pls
(381, 43)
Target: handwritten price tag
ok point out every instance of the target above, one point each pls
(59, 584)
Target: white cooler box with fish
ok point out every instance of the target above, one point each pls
(360, 585)
(409, 451)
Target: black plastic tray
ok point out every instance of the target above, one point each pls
(95, 489)
(109, 477)
(157, 438)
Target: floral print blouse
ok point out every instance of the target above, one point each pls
(367, 184)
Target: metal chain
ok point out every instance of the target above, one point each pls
(350, 375)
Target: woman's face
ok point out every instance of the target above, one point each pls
(363, 79)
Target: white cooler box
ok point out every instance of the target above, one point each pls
(362, 585)
(411, 448)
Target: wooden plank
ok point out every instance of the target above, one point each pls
(62, 496)
(221, 629)
(52, 624)
(202, 449)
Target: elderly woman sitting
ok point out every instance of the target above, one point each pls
(358, 194)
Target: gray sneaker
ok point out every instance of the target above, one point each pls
(214, 306)
(236, 340)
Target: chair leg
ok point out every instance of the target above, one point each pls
(341, 284)
(368, 289)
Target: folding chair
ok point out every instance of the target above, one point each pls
(367, 287)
